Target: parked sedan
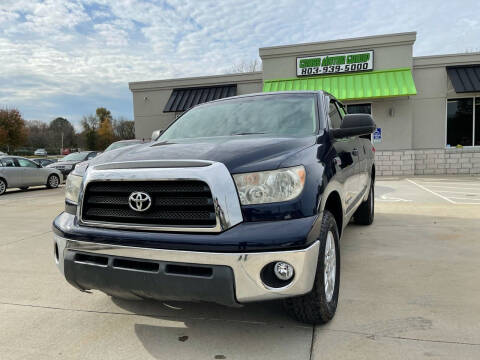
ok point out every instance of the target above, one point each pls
(18, 172)
(44, 162)
(40, 152)
(67, 164)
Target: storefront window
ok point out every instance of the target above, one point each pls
(477, 121)
(460, 122)
(359, 109)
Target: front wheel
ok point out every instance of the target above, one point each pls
(319, 305)
(3, 186)
(53, 181)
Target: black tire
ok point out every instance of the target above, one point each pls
(3, 186)
(53, 181)
(313, 307)
(24, 188)
(366, 211)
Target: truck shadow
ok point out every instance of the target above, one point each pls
(201, 330)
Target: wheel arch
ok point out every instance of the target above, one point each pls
(334, 205)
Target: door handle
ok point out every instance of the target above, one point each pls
(355, 152)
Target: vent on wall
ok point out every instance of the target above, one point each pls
(465, 78)
(183, 99)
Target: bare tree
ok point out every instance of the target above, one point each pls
(247, 66)
(124, 128)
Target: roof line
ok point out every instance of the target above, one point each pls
(370, 37)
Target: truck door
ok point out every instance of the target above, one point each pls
(346, 159)
(364, 146)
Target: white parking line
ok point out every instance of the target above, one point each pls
(391, 199)
(430, 191)
(454, 187)
(453, 182)
(458, 192)
(463, 198)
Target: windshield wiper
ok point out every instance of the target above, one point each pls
(249, 133)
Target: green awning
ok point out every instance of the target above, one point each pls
(365, 85)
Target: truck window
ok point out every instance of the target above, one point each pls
(285, 115)
(335, 117)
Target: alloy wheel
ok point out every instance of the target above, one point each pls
(330, 266)
(53, 182)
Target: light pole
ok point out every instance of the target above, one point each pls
(61, 150)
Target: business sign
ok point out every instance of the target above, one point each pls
(377, 135)
(334, 64)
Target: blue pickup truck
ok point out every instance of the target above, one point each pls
(239, 200)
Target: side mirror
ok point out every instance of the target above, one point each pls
(156, 134)
(355, 125)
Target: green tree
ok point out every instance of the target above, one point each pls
(13, 132)
(105, 134)
(90, 125)
(103, 114)
(61, 127)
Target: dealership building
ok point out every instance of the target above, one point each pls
(427, 109)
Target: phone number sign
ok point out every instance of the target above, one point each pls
(336, 63)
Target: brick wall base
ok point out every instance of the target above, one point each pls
(428, 162)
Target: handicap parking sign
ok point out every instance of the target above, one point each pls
(377, 135)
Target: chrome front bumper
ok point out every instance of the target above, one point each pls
(246, 267)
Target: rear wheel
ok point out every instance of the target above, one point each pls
(320, 304)
(53, 181)
(366, 211)
(3, 186)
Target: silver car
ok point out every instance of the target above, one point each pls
(18, 172)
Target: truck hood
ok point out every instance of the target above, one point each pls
(239, 153)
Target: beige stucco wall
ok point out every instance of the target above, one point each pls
(433, 89)
(396, 124)
(390, 52)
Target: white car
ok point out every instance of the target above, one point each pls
(40, 152)
(2, 153)
(18, 172)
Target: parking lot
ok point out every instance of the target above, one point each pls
(410, 289)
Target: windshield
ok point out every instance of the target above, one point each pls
(75, 157)
(286, 115)
(120, 144)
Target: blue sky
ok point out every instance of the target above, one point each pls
(66, 58)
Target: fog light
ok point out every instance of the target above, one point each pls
(283, 270)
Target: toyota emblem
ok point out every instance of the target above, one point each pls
(139, 201)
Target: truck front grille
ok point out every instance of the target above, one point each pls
(173, 203)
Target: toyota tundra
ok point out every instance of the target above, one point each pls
(241, 199)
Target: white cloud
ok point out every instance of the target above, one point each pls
(91, 49)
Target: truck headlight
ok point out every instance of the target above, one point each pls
(270, 186)
(72, 188)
